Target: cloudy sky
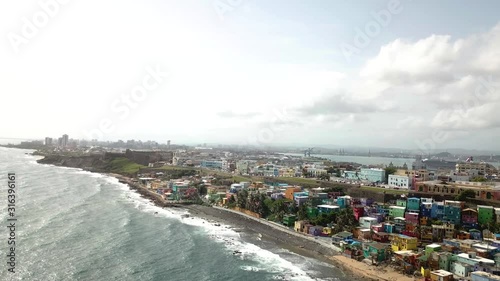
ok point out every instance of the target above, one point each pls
(407, 74)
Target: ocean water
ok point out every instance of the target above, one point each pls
(76, 225)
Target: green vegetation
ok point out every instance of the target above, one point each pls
(123, 165)
(386, 190)
(241, 178)
(479, 179)
(389, 171)
(468, 193)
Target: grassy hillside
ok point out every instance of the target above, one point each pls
(122, 165)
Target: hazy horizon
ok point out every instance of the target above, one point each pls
(411, 75)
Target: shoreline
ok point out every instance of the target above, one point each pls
(280, 236)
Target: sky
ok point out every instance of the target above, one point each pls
(406, 74)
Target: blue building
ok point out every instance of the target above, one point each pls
(413, 204)
(437, 211)
(343, 201)
(452, 214)
(211, 164)
(426, 210)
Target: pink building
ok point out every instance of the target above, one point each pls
(358, 212)
(411, 217)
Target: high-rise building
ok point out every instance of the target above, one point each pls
(48, 141)
(64, 140)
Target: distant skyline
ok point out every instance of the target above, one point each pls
(403, 74)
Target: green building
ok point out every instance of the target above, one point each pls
(312, 212)
(413, 204)
(289, 220)
(452, 214)
(485, 214)
(375, 250)
(397, 211)
(401, 203)
(429, 249)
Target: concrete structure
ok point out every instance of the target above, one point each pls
(483, 276)
(366, 174)
(399, 181)
(441, 275)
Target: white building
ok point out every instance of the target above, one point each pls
(399, 181)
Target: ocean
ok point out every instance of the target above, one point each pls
(77, 225)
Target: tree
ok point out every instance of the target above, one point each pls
(345, 220)
(241, 201)
(231, 202)
(467, 193)
(389, 171)
(302, 212)
(478, 179)
(324, 177)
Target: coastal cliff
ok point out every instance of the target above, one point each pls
(88, 162)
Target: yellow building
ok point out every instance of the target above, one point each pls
(482, 168)
(403, 243)
(419, 175)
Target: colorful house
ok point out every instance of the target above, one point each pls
(374, 250)
(383, 209)
(469, 218)
(289, 193)
(341, 237)
(401, 203)
(388, 227)
(381, 237)
(344, 201)
(452, 214)
(437, 211)
(485, 214)
(413, 204)
(426, 209)
(289, 220)
(358, 212)
(403, 243)
(327, 209)
(397, 211)
(367, 222)
(399, 225)
(412, 218)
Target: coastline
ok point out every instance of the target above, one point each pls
(297, 243)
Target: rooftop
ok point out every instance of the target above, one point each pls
(441, 273)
